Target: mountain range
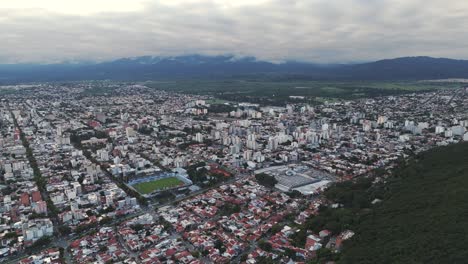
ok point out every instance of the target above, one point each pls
(219, 67)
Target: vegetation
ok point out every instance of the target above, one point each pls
(41, 242)
(105, 221)
(422, 218)
(200, 175)
(266, 180)
(76, 141)
(164, 196)
(10, 235)
(62, 255)
(229, 209)
(137, 227)
(149, 187)
(276, 228)
(221, 108)
(267, 91)
(295, 194)
(146, 130)
(218, 244)
(84, 228)
(40, 181)
(352, 194)
(197, 172)
(265, 245)
(419, 219)
(64, 229)
(334, 220)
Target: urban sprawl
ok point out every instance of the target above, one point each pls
(140, 175)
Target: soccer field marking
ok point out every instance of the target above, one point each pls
(161, 184)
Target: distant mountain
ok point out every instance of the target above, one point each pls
(407, 68)
(150, 68)
(203, 67)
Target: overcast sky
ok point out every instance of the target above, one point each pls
(307, 30)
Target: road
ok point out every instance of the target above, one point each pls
(60, 241)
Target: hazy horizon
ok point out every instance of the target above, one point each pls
(317, 31)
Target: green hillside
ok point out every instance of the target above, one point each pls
(423, 217)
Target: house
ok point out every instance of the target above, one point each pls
(313, 243)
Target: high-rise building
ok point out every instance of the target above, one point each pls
(40, 207)
(130, 132)
(199, 137)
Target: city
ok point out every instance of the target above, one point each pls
(233, 131)
(142, 175)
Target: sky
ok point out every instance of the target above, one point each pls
(321, 31)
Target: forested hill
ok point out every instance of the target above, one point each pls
(222, 67)
(423, 217)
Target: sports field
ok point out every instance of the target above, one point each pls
(149, 187)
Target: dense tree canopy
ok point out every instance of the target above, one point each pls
(266, 180)
(423, 216)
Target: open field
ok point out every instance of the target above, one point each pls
(216, 101)
(149, 187)
(267, 92)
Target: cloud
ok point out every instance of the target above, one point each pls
(71, 7)
(275, 30)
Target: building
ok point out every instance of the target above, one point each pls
(36, 196)
(24, 199)
(130, 132)
(37, 228)
(40, 207)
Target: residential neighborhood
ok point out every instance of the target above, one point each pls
(141, 175)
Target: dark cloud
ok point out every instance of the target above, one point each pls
(276, 30)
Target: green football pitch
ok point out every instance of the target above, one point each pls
(149, 187)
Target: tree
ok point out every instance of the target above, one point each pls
(423, 201)
(299, 238)
(43, 241)
(276, 228)
(218, 244)
(62, 254)
(102, 248)
(10, 235)
(64, 230)
(295, 194)
(266, 180)
(265, 245)
(290, 253)
(229, 209)
(105, 221)
(137, 227)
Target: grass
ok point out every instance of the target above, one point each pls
(268, 92)
(216, 101)
(149, 187)
(266, 86)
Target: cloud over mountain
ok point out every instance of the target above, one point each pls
(274, 30)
